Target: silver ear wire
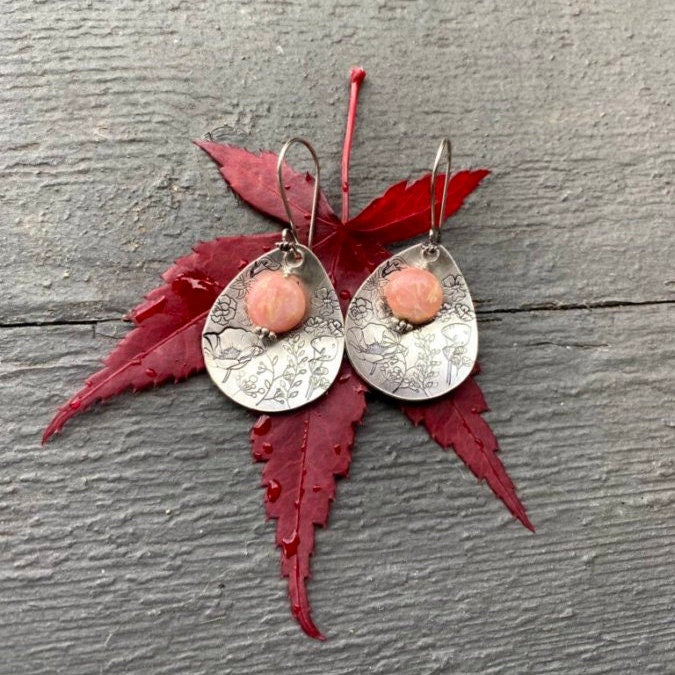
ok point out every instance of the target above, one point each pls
(253, 342)
(291, 236)
(435, 231)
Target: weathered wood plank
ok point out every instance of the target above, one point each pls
(569, 105)
(136, 541)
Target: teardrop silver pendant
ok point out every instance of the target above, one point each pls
(269, 373)
(293, 353)
(411, 328)
(424, 361)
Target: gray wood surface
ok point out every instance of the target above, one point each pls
(136, 542)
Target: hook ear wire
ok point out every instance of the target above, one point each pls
(282, 188)
(435, 231)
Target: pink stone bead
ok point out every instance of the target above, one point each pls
(276, 302)
(413, 294)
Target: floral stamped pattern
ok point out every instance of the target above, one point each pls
(274, 374)
(224, 310)
(427, 361)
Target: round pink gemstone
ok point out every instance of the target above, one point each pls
(276, 302)
(413, 294)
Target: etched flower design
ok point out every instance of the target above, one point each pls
(360, 309)
(316, 325)
(223, 311)
(226, 350)
(459, 310)
(463, 312)
(392, 370)
(249, 385)
(457, 336)
(325, 301)
(336, 328)
(296, 341)
(454, 288)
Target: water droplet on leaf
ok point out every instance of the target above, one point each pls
(262, 426)
(290, 544)
(273, 490)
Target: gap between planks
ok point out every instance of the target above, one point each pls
(552, 307)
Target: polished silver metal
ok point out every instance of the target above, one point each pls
(293, 233)
(434, 238)
(256, 368)
(444, 147)
(415, 363)
(426, 361)
(267, 373)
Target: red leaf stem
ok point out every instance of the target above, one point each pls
(356, 77)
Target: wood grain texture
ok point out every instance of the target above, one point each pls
(136, 542)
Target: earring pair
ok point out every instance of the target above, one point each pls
(275, 337)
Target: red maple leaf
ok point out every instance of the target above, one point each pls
(304, 449)
(455, 422)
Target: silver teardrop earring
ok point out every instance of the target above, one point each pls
(411, 327)
(274, 338)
